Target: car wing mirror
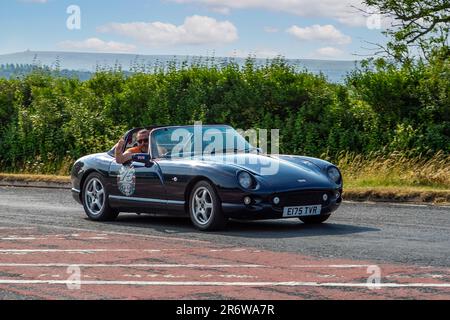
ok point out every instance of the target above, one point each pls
(142, 158)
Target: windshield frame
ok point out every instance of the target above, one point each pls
(154, 154)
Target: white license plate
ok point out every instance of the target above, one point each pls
(289, 212)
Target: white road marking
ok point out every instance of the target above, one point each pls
(234, 250)
(413, 205)
(24, 251)
(226, 283)
(190, 265)
(21, 238)
(53, 236)
(344, 266)
(136, 265)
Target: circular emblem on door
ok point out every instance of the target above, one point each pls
(126, 180)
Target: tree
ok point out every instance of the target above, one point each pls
(419, 27)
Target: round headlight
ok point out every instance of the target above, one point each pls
(245, 180)
(334, 174)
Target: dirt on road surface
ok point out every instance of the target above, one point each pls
(49, 250)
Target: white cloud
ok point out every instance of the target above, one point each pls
(98, 45)
(262, 53)
(196, 30)
(327, 33)
(343, 11)
(329, 52)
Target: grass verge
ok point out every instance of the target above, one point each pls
(353, 192)
(10, 177)
(396, 194)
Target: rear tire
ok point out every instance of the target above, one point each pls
(95, 199)
(205, 208)
(315, 219)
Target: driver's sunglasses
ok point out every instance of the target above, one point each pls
(142, 141)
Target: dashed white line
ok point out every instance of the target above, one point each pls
(50, 238)
(413, 205)
(135, 265)
(337, 266)
(21, 238)
(24, 251)
(226, 283)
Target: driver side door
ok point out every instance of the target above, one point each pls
(135, 187)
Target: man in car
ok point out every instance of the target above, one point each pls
(142, 139)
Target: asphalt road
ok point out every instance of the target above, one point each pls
(395, 236)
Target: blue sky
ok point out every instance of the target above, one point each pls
(320, 29)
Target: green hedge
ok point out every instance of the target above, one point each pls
(47, 121)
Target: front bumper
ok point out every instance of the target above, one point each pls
(264, 208)
(76, 194)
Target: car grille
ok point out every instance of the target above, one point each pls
(300, 198)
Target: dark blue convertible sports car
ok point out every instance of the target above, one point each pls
(185, 172)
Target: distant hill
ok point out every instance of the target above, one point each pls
(89, 62)
(9, 71)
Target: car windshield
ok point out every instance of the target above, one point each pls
(193, 140)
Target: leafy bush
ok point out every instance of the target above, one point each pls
(47, 121)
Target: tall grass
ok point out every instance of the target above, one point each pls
(396, 170)
(373, 170)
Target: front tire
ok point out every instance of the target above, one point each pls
(205, 208)
(315, 219)
(95, 199)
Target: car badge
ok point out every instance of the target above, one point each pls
(301, 180)
(126, 180)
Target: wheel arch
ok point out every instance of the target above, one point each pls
(83, 180)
